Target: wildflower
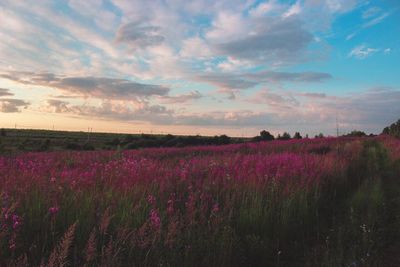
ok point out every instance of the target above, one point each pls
(12, 246)
(6, 214)
(155, 219)
(215, 208)
(16, 221)
(151, 199)
(53, 210)
(170, 207)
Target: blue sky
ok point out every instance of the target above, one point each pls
(200, 67)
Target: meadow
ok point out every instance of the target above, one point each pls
(308, 202)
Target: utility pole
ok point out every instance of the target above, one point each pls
(337, 126)
(88, 136)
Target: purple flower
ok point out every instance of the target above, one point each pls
(215, 208)
(53, 210)
(155, 218)
(151, 199)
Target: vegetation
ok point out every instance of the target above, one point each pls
(356, 133)
(308, 202)
(264, 136)
(15, 140)
(393, 129)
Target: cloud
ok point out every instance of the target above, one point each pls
(264, 8)
(313, 95)
(276, 76)
(376, 20)
(362, 52)
(371, 12)
(183, 98)
(195, 47)
(377, 106)
(110, 110)
(372, 16)
(9, 105)
(93, 9)
(99, 87)
(226, 81)
(5, 92)
(139, 35)
(369, 111)
(273, 99)
(235, 81)
(293, 10)
(269, 39)
(387, 51)
(108, 88)
(57, 106)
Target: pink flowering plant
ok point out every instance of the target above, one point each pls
(231, 205)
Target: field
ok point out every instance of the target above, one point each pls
(16, 140)
(309, 202)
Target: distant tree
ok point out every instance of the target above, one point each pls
(393, 129)
(297, 136)
(385, 130)
(307, 136)
(266, 136)
(284, 136)
(320, 135)
(3, 132)
(356, 133)
(222, 140)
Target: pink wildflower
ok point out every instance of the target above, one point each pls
(155, 218)
(215, 208)
(16, 221)
(170, 207)
(12, 246)
(151, 199)
(53, 210)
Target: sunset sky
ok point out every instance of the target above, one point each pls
(200, 67)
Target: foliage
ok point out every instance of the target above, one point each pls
(284, 136)
(393, 129)
(356, 133)
(297, 135)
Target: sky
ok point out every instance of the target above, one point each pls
(200, 67)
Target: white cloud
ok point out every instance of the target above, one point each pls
(376, 20)
(264, 8)
(293, 10)
(196, 48)
(371, 12)
(387, 51)
(362, 52)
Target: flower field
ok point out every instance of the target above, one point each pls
(310, 202)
